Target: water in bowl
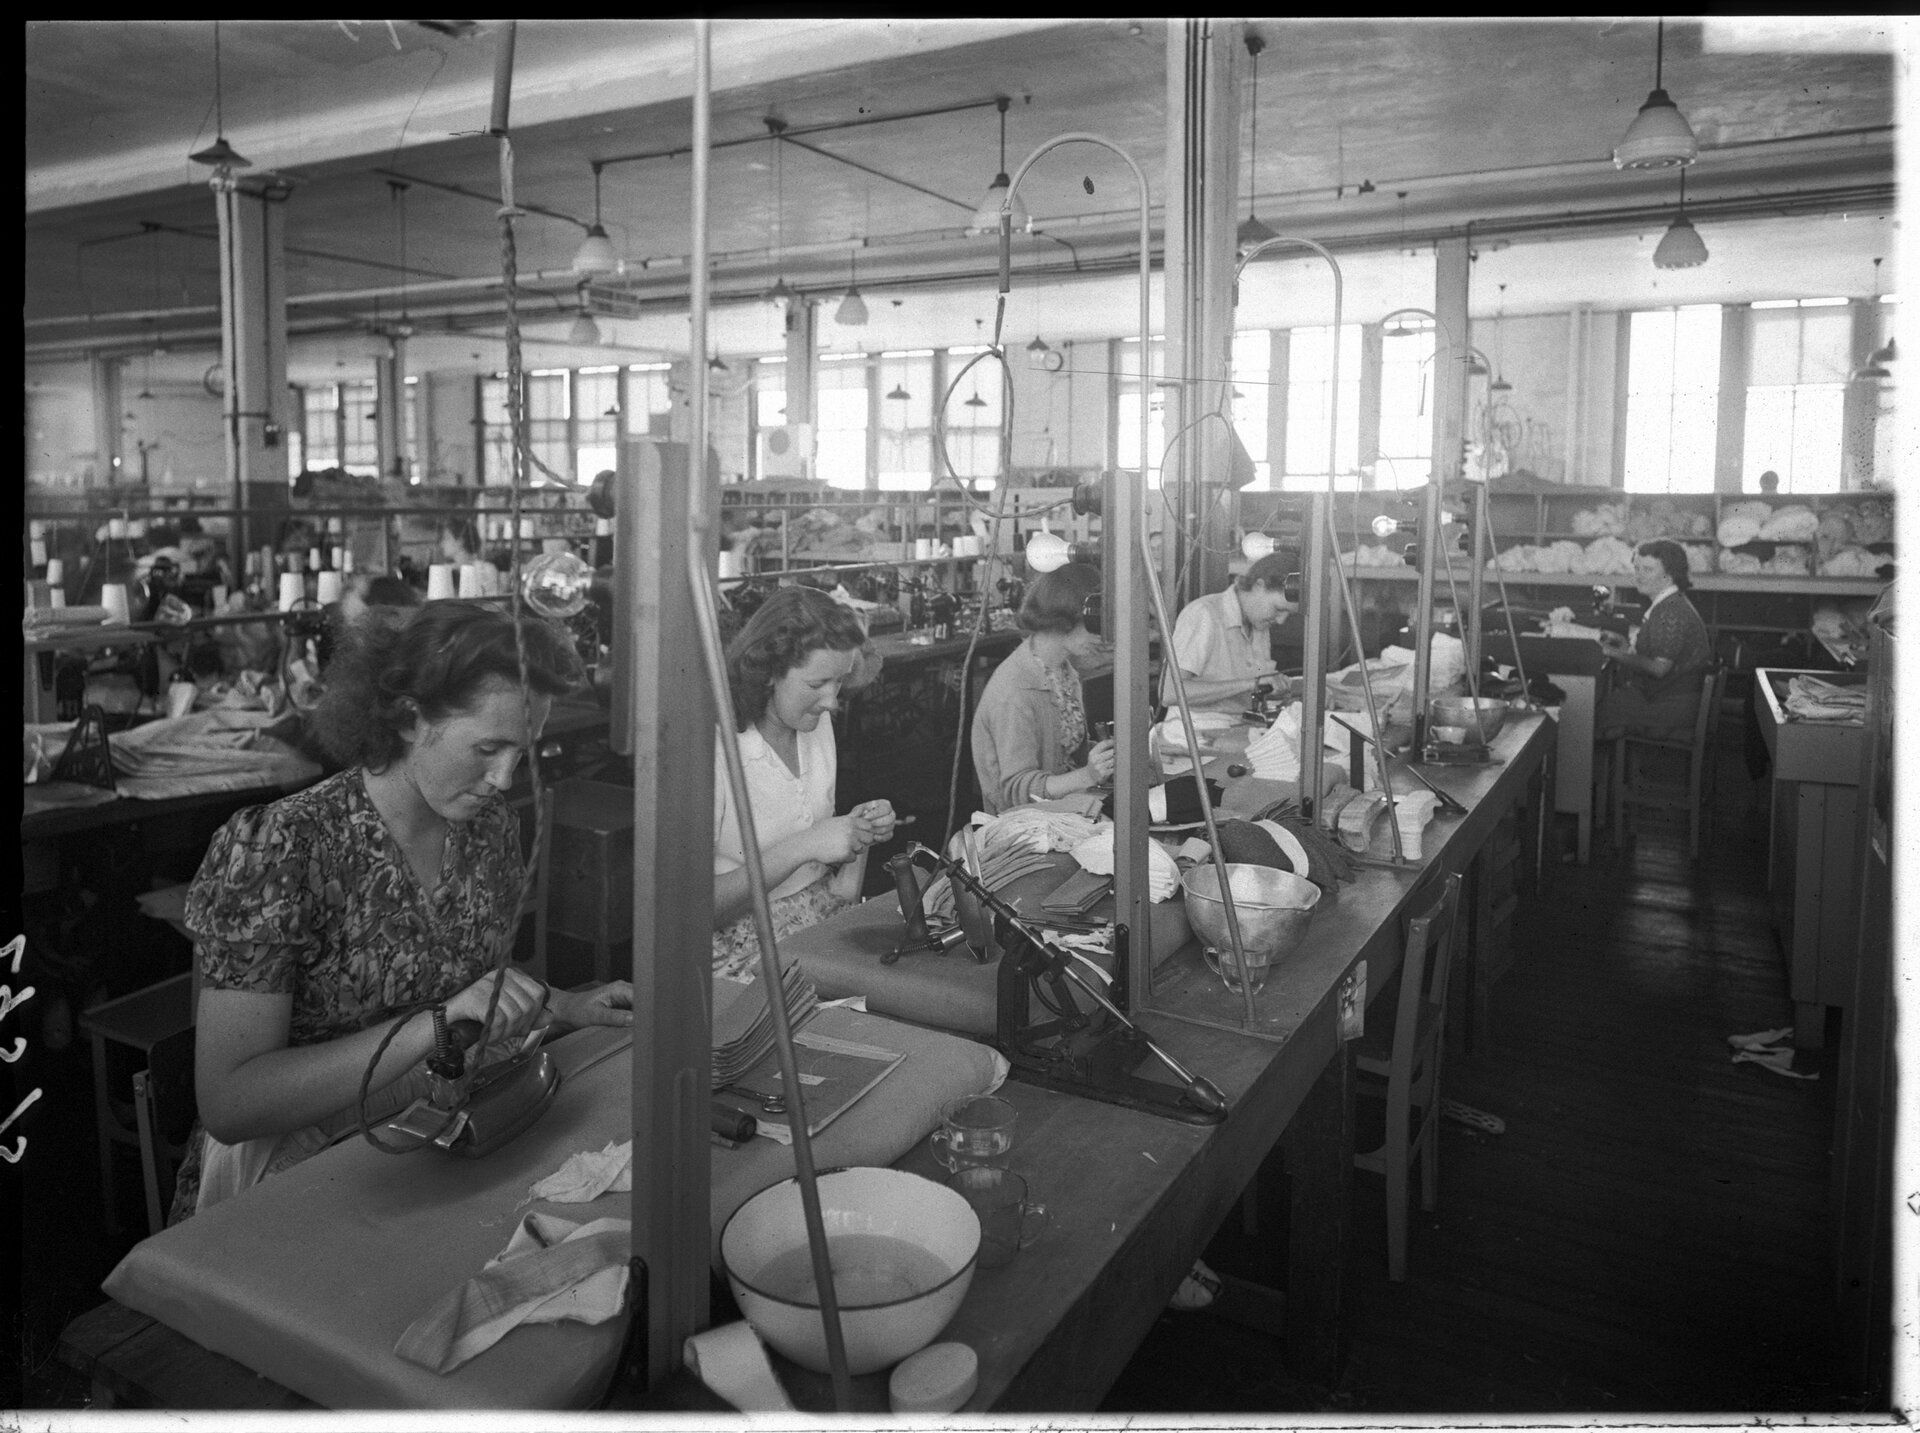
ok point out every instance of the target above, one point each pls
(868, 1269)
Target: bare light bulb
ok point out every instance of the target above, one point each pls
(1047, 551)
(1256, 545)
(557, 584)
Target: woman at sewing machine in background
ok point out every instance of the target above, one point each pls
(786, 668)
(1223, 641)
(1661, 696)
(380, 891)
(1030, 729)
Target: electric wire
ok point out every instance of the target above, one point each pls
(516, 415)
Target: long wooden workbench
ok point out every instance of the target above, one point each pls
(1134, 1196)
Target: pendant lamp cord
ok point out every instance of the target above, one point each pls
(1659, 48)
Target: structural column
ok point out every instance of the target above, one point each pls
(1451, 356)
(389, 409)
(801, 316)
(253, 342)
(1205, 63)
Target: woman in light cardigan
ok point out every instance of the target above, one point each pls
(1030, 729)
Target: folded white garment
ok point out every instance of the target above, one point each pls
(1095, 854)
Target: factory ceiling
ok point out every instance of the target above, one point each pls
(1375, 134)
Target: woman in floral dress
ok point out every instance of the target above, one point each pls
(373, 895)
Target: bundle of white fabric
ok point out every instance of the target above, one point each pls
(1095, 855)
(1032, 828)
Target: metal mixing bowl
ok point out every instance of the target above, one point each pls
(1274, 907)
(1481, 717)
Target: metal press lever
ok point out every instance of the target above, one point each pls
(1199, 1091)
(1447, 802)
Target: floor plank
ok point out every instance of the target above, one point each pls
(1649, 1234)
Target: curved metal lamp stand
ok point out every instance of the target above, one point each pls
(704, 583)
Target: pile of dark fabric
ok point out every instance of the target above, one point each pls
(1251, 842)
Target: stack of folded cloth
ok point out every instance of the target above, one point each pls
(743, 1024)
(1039, 828)
(1811, 699)
(1095, 855)
(1274, 755)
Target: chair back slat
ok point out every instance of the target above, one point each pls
(1427, 965)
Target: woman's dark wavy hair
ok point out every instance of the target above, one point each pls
(429, 663)
(1056, 600)
(1670, 555)
(788, 628)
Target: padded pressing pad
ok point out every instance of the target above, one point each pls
(310, 1277)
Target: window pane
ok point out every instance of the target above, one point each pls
(360, 448)
(649, 400)
(1673, 388)
(1127, 411)
(321, 405)
(1406, 419)
(841, 416)
(1310, 392)
(1252, 362)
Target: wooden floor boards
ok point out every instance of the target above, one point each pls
(1648, 1236)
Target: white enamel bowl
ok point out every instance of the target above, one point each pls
(887, 1202)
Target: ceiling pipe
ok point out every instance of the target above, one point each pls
(669, 288)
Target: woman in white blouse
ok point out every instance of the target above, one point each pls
(786, 669)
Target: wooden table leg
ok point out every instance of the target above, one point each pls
(1318, 1145)
(103, 1130)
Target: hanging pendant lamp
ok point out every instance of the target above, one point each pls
(853, 309)
(596, 254)
(899, 393)
(1500, 384)
(1681, 247)
(1875, 369)
(219, 154)
(1251, 231)
(584, 331)
(1659, 137)
(986, 217)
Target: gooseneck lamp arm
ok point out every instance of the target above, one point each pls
(1129, 626)
(703, 582)
(1312, 755)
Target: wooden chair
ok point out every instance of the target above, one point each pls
(1404, 1068)
(1699, 750)
(163, 1111)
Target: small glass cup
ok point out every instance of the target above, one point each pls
(1222, 964)
(1009, 1220)
(976, 1131)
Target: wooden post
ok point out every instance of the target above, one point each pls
(671, 734)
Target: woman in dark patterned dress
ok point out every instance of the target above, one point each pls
(382, 889)
(1661, 695)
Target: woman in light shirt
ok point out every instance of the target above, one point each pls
(786, 670)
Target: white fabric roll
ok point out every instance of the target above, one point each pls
(731, 1361)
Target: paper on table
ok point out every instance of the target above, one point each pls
(834, 1074)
